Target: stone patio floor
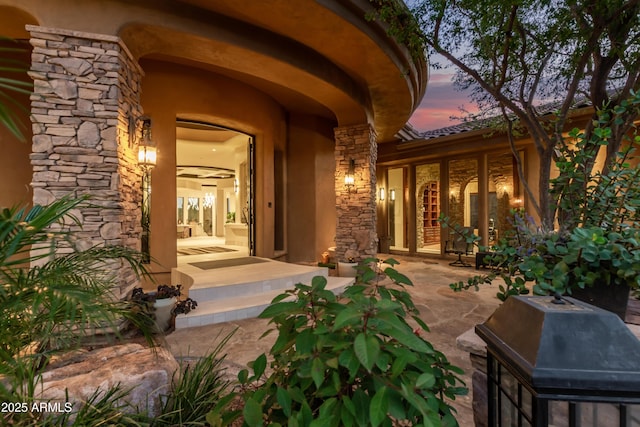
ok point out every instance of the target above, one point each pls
(448, 314)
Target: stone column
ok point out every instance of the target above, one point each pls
(477, 349)
(356, 209)
(85, 101)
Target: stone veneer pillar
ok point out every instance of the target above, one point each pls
(356, 210)
(83, 109)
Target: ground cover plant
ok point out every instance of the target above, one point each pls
(358, 359)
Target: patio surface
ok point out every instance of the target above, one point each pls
(448, 314)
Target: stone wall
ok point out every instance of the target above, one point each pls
(86, 94)
(356, 209)
(425, 174)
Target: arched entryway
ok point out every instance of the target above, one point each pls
(214, 187)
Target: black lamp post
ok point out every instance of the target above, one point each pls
(560, 363)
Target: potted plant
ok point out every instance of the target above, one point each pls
(166, 303)
(348, 268)
(591, 264)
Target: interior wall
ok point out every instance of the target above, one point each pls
(171, 91)
(310, 188)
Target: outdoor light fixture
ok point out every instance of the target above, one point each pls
(147, 151)
(382, 194)
(560, 362)
(349, 177)
(147, 156)
(392, 194)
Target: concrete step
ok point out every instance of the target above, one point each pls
(244, 306)
(253, 279)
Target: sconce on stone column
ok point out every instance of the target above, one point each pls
(349, 177)
(147, 158)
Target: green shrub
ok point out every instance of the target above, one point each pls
(352, 360)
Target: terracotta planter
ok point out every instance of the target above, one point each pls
(163, 311)
(611, 298)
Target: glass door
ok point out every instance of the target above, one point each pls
(397, 209)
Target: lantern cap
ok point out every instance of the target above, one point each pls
(572, 348)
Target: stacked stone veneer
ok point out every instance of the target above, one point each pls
(424, 175)
(86, 92)
(356, 210)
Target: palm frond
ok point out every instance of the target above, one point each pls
(10, 85)
(52, 306)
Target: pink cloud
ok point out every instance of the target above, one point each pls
(440, 102)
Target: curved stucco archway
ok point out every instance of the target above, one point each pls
(172, 91)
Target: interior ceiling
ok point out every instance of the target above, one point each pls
(207, 153)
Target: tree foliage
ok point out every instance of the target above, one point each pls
(532, 63)
(599, 241)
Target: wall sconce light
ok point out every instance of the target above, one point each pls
(147, 150)
(382, 194)
(147, 156)
(236, 186)
(392, 194)
(349, 177)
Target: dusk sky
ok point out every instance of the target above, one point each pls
(440, 102)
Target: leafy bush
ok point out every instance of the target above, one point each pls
(352, 360)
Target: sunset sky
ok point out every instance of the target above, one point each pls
(440, 102)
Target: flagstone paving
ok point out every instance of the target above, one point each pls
(448, 314)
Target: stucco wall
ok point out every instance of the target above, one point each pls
(311, 210)
(15, 166)
(171, 91)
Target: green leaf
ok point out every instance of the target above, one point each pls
(347, 316)
(285, 307)
(403, 357)
(259, 365)
(329, 414)
(318, 283)
(361, 403)
(349, 360)
(426, 380)
(398, 277)
(305, 342)
(367, 349)
(243, 375)
(378, 407)
(252, 413)
(317, 371)
(284, 400)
